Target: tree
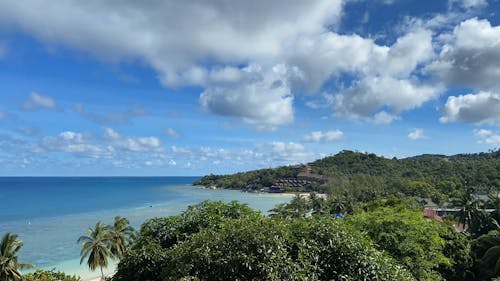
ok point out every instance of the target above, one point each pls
(485, 250)
(121, 235)
(259, 248)
(409, 238)
(49, 275)
(298, 207)
(469, 207)
(457, 250)
(145, 258)
(96, 247)
(9, 265)
(491, 259)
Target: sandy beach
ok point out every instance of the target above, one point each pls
(301, 194)
(96, 278)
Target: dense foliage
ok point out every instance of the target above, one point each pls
(215, 241)
(486, 253)
(409, 238)
(49, 275)
(366, 176)
(252, 180)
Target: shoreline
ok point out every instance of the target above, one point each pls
(278, 194)
(97, 278)
(44, 234)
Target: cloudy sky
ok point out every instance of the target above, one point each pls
(193, 87)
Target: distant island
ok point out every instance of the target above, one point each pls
(368, 176)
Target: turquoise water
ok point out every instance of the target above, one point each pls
(49, 214)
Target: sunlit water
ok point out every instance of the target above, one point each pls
(49, 214)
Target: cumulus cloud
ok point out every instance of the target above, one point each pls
(74, 143)
(259, 59)
(417, 134)
(327, 136)
(108, 145)
(480, 108)
(261, 99)
(487, 137)
(383, 118)
(282, 153)
(471, 58)
(385, 82)
(135, 144)
(37, 101)
(156, 31)
(367, 96)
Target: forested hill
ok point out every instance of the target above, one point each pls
(423, 175)
(481, 169)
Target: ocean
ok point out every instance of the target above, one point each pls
(50, 213)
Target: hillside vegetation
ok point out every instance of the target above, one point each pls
(366, 176)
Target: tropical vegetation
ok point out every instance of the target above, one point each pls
(104, 242)
(366, 176)
(49, 275)
(366, 224)
(10, 266)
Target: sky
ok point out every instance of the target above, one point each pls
(142, 88)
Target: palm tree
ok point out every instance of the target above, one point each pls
(317, 204)
(281, 211)
(469, 207)
(121, 236)
(95, 247)
(9, 265)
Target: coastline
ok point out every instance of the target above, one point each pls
(97, 278)
(277, 194)
(49, 246)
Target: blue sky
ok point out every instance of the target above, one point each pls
(197, 87)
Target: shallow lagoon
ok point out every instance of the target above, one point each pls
(49, 214)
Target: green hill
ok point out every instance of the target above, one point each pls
(366, 175)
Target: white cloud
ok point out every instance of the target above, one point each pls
(37, 101)
(110, 145)
(281, 54)
(135, 144)
(383, 118)
(482, 133)
(156, 31)
(487, 137)
(261, 99)
(469, 4)
(367, 96)
(171, 133)
(321, 56)
(327, 136)
(282, 153)
(417, 134)
(74, 143)
(480, 108)
(471, 58)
